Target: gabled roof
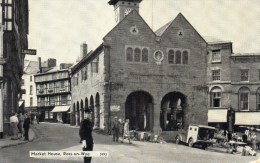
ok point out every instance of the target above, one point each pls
(163, 29)
(126, 17)
(31, 67)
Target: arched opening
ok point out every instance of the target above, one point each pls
(91, 107)
(139, 111)
(81, 110)
(78, 114)
(172, 114)
(73, 116)
(97, 111)
(243, 98)
(215, 97)
(86, 103)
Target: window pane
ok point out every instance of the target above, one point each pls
(185, 57)
(144, 55)
(129, 54)
(215, 75)
(137, 54)
(216, 55)
(178, 57)
(171, 57)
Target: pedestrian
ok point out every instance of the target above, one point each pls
(253, 140)
(37, 118)
(85, 133)
(14, 126)
(126, 134)
(20, 124)
(116, 128)
(26, 126)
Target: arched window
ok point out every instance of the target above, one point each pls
(171, 57)
(129, 54)
(215, 97)
(178, 57)
(137, 55)
(243, 96)
(258, 99)
(145, 55)
(185, 57)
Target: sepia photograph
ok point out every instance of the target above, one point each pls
(129, 81)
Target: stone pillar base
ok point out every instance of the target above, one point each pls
(157, 130)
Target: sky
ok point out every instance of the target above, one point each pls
(58, 27)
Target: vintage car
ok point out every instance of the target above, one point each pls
(197, 135)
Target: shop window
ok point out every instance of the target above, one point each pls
(185, 57)
(145, 55)
(216, 56)
(178, 57)
(215, 97)
(244, 75)
(215, 75)
(171, 57)
(244, 98)
(137, 54)
(129, 54)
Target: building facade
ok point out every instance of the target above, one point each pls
(157, 80)
(234, 84)
(14, 31)
(53, 91)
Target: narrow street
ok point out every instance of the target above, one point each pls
(58, 137)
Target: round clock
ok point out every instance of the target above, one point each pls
(127, 11)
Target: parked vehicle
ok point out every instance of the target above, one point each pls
(197, 135)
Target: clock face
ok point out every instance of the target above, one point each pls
(127, 11)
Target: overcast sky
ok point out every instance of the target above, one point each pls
(58, 27)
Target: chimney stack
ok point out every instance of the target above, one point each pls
(83, 50)
(40, 64)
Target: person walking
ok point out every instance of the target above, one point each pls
(20, 124)
(85, 133)
(126, 134)
(116, 128)
(26, 126)
(14, 126)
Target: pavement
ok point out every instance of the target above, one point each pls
(7, 142)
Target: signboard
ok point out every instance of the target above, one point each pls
(29, 51)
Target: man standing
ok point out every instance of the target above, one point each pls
(26, 126)
(116, 128)
(85, 133)
(21, 121)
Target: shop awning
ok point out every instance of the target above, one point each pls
(61, 108)
(217, 115)
(247, 118)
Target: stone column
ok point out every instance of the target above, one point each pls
(76, 118)
(156, 126)
(97, 116)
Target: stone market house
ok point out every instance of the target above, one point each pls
(157, 80)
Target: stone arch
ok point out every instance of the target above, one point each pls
(77, 114)
(81, 110)
(215, 96)
(97, 111)
(73, 116)
(91, 107)
(139, 111)
(86, 103)
(173, 111)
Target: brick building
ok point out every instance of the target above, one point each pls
(158, 79)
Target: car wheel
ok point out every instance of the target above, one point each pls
(190, 142)
(177, 140)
